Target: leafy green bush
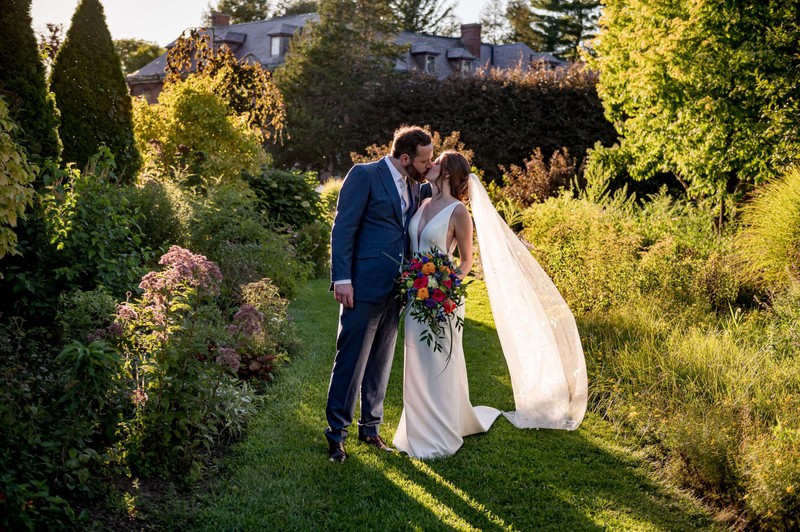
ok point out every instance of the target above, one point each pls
(231, 230)
(328, 197)
(312, 242)
(80, 313)
(15, 193)
(191, 130)
(179, 373)
(589, 251)
(94, 233)
(287, 197)
(166, 211)
(769, 243)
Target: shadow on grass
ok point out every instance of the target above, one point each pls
(508, 478)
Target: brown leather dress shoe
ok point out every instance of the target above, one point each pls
(336, 452)
(376, 441)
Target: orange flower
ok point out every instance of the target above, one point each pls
(422, 293)
(445, 270)
(428, 268)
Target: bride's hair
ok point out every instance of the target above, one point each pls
(456, 168)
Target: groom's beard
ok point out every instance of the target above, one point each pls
(414, 175)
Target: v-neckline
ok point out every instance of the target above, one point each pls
(422, 229)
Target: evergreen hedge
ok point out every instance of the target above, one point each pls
(92, 94)
(502, 116)
(22, 83)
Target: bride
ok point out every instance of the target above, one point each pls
(536, 329)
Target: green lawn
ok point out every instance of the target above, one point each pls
(280, 478)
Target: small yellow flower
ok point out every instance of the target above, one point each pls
(790, 488)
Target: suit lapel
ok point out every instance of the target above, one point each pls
(391, 189)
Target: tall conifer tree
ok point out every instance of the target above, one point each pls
(91, 93)
(22, 82)
(329, 77)
(557, 26)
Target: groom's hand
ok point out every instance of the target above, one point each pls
(344, 294)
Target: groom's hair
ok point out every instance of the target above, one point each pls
(407, 139)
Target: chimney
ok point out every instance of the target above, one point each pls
(471, 38)
(220, 20)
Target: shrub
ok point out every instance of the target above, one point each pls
(92, 95)
(191, 131)
(450, 142)
(502, 115)
(231, 230)
(80, 313)
(328, 196)
(312, 242)
(590, 252)
(538, 180)
(166, 209)
(15, 193)
(769, 243)
(178, 372)
(287, 197)
(94, 233)
(23, 85)
(771, 466)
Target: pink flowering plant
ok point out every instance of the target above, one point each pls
(182, 361)
(430, 284)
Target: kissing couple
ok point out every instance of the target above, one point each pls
(407, 203)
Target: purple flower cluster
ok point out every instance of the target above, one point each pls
(228, 357)
(248, 320)
(139, 397)
(126, 313)
(183, 267)
(115, 330)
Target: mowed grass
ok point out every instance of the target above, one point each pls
(279, 477)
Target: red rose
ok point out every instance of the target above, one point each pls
(421, 282)
(416, 265)
(438, 296)
(448, 283)
(449, 306)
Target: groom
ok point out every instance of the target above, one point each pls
(368, 240)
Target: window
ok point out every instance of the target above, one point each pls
(430, 64)
(275, 46)
(466, 67)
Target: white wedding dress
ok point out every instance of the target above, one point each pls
(437, 412)
(537, 331)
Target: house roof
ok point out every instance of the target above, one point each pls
(251, 40)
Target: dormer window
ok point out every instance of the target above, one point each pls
(430, 64)
(275, 46)
(466, 67)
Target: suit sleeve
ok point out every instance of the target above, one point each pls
(350, 209)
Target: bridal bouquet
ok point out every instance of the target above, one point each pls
(429, 282)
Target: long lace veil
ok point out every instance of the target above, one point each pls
(537, 331)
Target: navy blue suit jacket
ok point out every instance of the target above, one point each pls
(369, 236)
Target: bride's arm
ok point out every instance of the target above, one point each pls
(462, 228)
